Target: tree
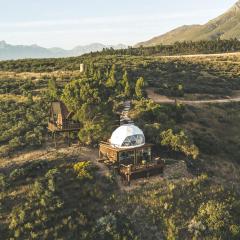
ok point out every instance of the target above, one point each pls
(124, 78)
(93, 109)
(125, 84)
(82, 169)
(179, 142)
(111, 81)
(139, 87)
(30, 98)
(97, 74)
(216, 220)
(127, 89)
(53, 89)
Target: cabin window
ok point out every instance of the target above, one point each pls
(143, 155)
(126, 158)
(134, 140)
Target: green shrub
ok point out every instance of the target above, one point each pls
(3, 182)
(82, 169)
(17, 174)
(179, 142)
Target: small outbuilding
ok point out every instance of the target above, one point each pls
(128, 151)
(60, 119)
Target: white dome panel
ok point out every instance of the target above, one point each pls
(127, 136)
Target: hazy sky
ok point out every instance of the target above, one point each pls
(67, 23)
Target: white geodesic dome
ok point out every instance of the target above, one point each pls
(127, 136)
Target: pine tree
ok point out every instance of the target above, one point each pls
(127, 89)
(111, 81)
(53, 89)
(125, 84)
(139, 87)
(125, 78)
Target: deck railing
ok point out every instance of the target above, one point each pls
(145, 170)
(70, 126)
(65, 126)
(141, 167)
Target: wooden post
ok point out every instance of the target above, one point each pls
(128, 179)
(135, 157)
(69, 144)
(129, 172)
(54, 134)
(115, 170)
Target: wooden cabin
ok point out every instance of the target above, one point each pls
(60, 119)
(125, 156)
(129, 153)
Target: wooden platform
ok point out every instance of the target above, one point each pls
(131, 172)
(112, 153)
(136, 165)
(71, 127)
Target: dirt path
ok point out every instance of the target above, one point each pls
(163, 99)
(203, 55)
(124, 118)
(27, 156)
(51, 154)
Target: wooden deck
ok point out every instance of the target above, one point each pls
(66, 127)
(110, 155)
(149, 169)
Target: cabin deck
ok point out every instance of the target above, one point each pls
(65, 127)
(131, 162)
(132, 172)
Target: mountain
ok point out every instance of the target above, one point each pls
(225, 26)
(8, 51)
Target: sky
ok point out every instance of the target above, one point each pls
(69, 23)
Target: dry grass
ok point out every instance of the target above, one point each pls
(16, 98)
(36, 76)
(235, 54)
(51, 154)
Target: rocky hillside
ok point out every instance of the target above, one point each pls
(225, 26)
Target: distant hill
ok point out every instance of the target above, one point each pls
(226, 26)
(8, 51)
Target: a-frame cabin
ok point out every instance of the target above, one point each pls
(60, 119)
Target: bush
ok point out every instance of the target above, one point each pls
(82, 169)
(22, 124)
(17, 174)
(217, 221)
(179, 142)
(3, 182)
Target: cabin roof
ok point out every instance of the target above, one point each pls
(60, 108)
(127, 136)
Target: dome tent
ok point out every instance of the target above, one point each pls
(127, 136)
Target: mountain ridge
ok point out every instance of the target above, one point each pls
(12, 52)
(225, 26)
